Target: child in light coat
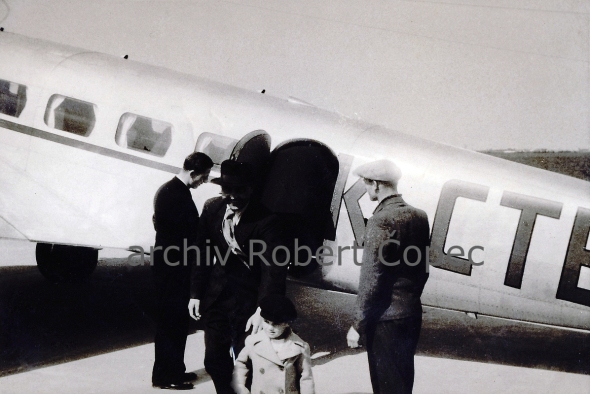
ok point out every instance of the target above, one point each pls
(280, 361)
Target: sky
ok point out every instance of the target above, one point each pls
(477, 74)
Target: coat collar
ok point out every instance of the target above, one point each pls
(252, 213)
(179, 183)
(262, 346)
(394, 199)
(244, 228)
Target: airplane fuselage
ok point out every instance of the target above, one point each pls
(88, 139)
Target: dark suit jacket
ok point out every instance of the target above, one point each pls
(247, 284)
(176, 219)
(389, 292)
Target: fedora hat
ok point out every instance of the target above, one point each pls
(234, 173)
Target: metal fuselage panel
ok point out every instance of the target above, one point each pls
(526, 225)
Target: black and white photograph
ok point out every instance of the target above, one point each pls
(274, 197)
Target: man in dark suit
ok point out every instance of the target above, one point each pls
(176, 221)
(241, 234)
(393, 275)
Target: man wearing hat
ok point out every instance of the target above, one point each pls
(391, 281)
(176, 220)
(241, 234)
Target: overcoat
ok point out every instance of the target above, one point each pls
(288, 372)
(176, 220)
(249, 279)
(393, 272)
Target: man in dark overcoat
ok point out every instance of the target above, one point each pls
(393, 275)
(176, 221)
(237, 268)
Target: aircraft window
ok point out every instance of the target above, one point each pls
(71, 115)
(144, 134)
(217, 147)
(13, 98)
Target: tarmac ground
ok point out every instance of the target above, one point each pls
(96, 337)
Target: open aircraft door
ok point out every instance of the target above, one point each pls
(253, 148)
(299, 187)
(297, 183)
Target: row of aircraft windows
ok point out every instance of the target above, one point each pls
(78, 117)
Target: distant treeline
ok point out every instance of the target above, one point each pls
(576, 164)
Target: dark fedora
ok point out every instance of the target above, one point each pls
(234, 173)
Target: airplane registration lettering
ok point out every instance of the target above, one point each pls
(452, 190)
(530, 207)
(577, 256)
(344, 163)
(355, 214)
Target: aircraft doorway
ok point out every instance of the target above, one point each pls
(297, 181)
(253, 148)
(299, 187)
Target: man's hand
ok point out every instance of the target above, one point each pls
(352, 338)
(255, 321)
(193, 308)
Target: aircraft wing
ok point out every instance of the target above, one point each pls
(24, 204)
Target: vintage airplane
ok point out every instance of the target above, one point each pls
(88, 138)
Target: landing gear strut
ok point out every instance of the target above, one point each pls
(61, 263)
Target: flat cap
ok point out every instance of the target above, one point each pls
(277, 309)
(380, 170)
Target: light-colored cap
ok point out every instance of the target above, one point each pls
(380, 170)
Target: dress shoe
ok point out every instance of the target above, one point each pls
(189, 376)
(174, 386)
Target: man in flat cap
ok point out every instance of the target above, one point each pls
(241, 235)
(393, 274)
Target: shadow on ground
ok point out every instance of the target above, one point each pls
(42, 323)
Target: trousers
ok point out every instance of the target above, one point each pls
(172, 323)
(225, 325)
(391, 346)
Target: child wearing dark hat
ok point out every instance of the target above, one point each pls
(280, 361)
